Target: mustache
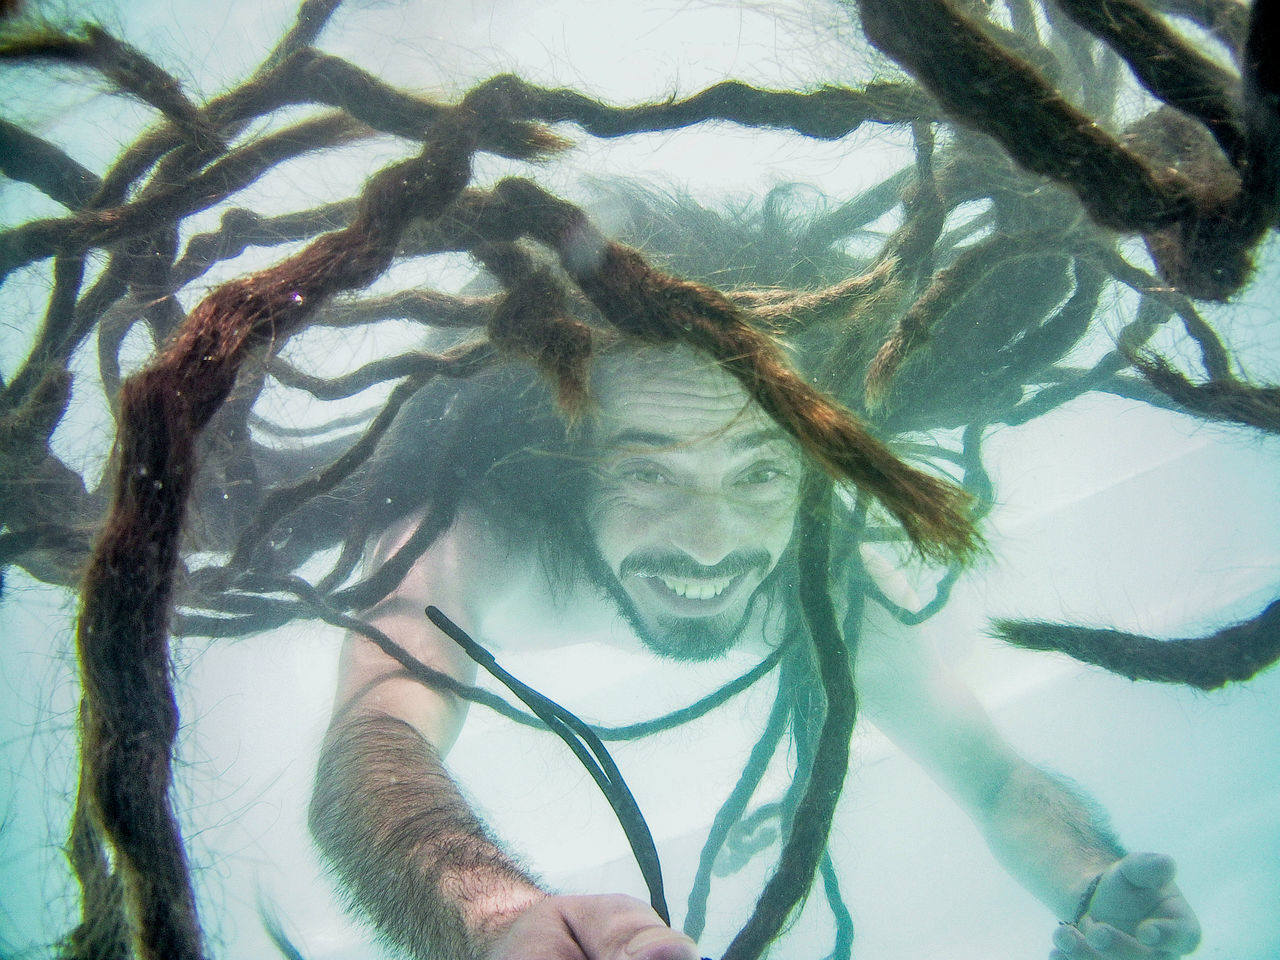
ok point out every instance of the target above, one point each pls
(680, 565)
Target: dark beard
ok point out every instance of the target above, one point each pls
(686, 639)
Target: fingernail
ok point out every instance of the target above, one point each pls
(677, 943)
(1148, 935)
(644, 938)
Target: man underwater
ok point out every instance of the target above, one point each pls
(672, 536)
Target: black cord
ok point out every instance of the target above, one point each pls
(587, 748)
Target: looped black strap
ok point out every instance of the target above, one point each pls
(588, 749)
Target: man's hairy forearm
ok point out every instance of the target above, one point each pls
(410, 853)
(1051, 836)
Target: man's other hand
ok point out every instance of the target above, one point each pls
(609, 927)
(1136, 913)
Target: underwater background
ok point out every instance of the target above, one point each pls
(1107, 511)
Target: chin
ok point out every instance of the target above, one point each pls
(660, 627)
(693, 639)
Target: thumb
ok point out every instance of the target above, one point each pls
(660, 943)
(1148, 871)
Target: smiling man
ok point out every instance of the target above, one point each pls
(691, 503)
(666, 522)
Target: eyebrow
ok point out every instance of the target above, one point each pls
(648, 438)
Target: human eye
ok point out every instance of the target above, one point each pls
(761, 474)
(758, 476)
(642, 473)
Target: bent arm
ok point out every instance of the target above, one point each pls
(410, 852)
(412, 855)
(1043, 830)
(1049, 835)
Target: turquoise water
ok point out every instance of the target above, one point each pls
(1107, 512)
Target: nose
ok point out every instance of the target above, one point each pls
(705, 527)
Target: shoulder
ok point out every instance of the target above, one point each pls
(894, 659)
(494, 581)
(888, 578)
(473, 558)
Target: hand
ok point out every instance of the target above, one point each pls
(610, 927)
(1136, 912)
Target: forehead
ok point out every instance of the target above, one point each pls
(674, 393)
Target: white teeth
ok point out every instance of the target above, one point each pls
(697, 589)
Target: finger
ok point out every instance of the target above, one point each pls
(614, 927)
(1174, 937)
(1111, 944)
(1149, 871)
(1069, 944)
(660, 943)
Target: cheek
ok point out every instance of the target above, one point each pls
(780, 533)
(773, 521)
(617, 525)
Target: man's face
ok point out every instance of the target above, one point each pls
(693, 499)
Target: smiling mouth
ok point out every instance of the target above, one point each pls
(692, 596)
(674, 585)
(696, 589)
